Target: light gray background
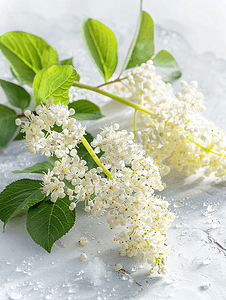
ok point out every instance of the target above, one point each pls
(197, 264)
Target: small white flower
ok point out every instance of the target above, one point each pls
(27, 113)
(117, 267)
(83, 241)
(72, 206)
(18, 122)
(83, 257)
(87, 209)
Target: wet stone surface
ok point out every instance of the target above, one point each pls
(197, 236)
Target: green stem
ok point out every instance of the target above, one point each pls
(23, 115)
(135, 124)
(117, 98)
(135, 114)
(129, 89)
(94, 157)
(110, 82)
(207, 149)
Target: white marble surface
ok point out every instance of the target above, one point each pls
(198, 239)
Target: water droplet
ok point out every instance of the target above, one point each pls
(15, 295)
(73, 289)
(18, 270)
(216, 225)
(205, 286)
(178, 204)
(10, 261)
(206, 261)
(211, 208)
(179, 225)
(60, 244)
(184, 232)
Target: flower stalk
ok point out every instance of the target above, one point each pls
(95, 157)
(117, 98)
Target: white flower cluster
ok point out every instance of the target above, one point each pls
(177, 135)
(127, 194)
(129, 197)
(40, 134)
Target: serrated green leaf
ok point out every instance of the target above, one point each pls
(7, 124)
(37, 168)
(101, 44)
(166, 66)
(19, 196)
(68, 61)
(47, 221)
(27, 54)
(142, 47)
(54, 82)
(16, 95)
(85, 110)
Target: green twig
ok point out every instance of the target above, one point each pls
(94, 157)
(110, 82)
(117, 98)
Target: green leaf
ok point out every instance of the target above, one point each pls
(166, 66)
(19, 196)
(57, 128)
(52, 159)
(54, 82)
(68, 61)
(47, 221)
(7, 124)
(101, 44)
(85, 110)
(15, 74)
(37, 168)
(20, 136)
(142, 47)
(16, 95)
(27, 54)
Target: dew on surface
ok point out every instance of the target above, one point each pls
(197, 264)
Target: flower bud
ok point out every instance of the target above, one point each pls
(83, 241)
(83, 257)
(18, 122)
(118, 267)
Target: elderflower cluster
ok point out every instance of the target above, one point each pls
(41, 135)
(126, 193)
(177, 134)
(128, 198)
